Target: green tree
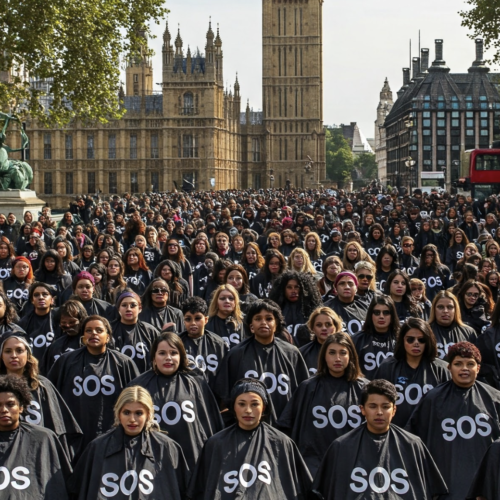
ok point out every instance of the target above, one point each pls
(77, 44)
(366, 167)
(483, 20)
(339, 158)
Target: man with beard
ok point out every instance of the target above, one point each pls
(458, 420)
(350, 307)
(377, 459)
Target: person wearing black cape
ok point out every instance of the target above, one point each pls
(414, 369)
(47, 408)
(242, 460)
(486, 482)
(134, 460)
(40, 323)
(489, 345)
(458, 420)
(33, 463)
(323, 322)
(71, 314)
(378, 460)
(131, 336)
(225, 316)
(184, 404)
(91, 378)
(377, 339)
(156, 310)
(326, 406)
(347, 304)
(265, 356)
(8, 316)
(446, 323)
(204, 349)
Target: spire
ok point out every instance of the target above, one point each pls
(178, 44)
(386, 87)
(236, 87)
(218, 41)
(166, 35)
(210, 34)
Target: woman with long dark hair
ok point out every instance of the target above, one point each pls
(378, 338)
(415, 368)
(64, 249)
(86, 257)
(329, 400)
(435, 275)
(274, 266)
(488, 344)
(116, 284)
(137, 273)
(237, 277)
(332, 266)
(475, 308)
(174, 387)
(8, 316)
(398, 288)
(173, 251)
(51, 271)
(455, 250)
(375, 240)
(7, 255)
(133, 447)
(387, 262)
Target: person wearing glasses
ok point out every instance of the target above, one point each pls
(446, 322)
(474, 305)
(365, 272)
(377, 340)
(408, 263)
(156, 309)
(414, 369)
(435, 275)
(459, 420)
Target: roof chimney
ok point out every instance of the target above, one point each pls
(406, 77)
(416, 67)
(478, 65)
(439, 63)
(424, 60)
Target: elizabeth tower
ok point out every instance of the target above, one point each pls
(292, 34)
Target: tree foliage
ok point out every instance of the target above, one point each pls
(366, 167)
(75, 43)
(483, 19)
(339, 158)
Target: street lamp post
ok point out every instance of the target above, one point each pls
(443, 168)
(410, 163)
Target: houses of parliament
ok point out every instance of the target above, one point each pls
(194, 130)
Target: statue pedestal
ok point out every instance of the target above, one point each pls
(18, 202)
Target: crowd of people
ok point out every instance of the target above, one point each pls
(269, 344)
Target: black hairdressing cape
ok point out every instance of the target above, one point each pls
(394, 465)
(49, 410)
(40, 331)
(205, 353)
(60, 346)
(353, 315)
(486, 483)
(446, 336)
(411, 383)
(321, 410)
(90, 385)
(279, 365)
(185, 408)
(372, 349)
(36, 463)
(310, 353)
(101, 308)
(457, 425)
(489, 345)
(135, 342)
(148, 466)
(231, 334)
(159, 316)
(262, 464)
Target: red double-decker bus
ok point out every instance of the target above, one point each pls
(480, 176)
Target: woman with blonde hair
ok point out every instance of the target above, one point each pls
(446, 323)
(300, 262)
(353, 253)
(312, 245)
(322, 323)
(365, 273)
(225, 316)
(128, 450)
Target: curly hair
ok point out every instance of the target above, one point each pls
(17, 386)
(10, 315)
(272, 307)
(464, 350)
(310, 298)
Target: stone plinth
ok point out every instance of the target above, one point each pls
(19, 202)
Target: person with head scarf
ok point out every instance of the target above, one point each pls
(242, 460)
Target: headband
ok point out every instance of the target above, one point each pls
(346, 273)
(125, 295)
(14, 335)
(249, 385)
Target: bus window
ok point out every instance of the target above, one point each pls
(487, 162)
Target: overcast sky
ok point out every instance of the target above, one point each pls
(364, 41)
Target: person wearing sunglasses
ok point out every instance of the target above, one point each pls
(474, 305)
(407, 261)
(414, 369)
(365, 272)
(377, 340)
(156, 309)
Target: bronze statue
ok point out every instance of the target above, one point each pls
(14, 174)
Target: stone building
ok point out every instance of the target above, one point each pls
(438, 115)
(383, 109)
(193, 130)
